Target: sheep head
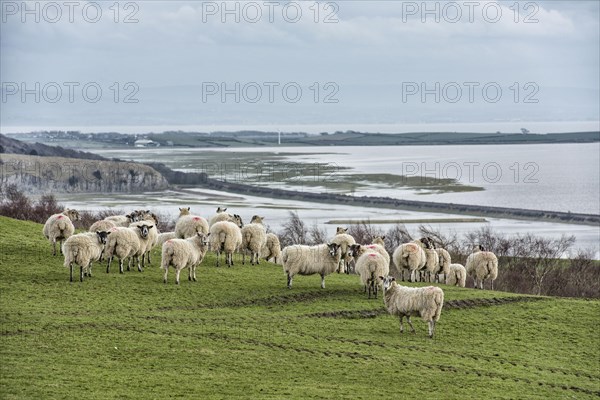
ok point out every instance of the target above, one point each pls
(184, 211)
(102, 237)
(339, 230)
(388, 282)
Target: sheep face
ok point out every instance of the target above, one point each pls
(144, 229)
(387, 282)
(203, 238)
(333, 249)
(102, 237)
(72, 214)
(353, 250)
(257, 219)
(339, 230)
(238, 221)
(427, 243)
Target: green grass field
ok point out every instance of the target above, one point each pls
(239, 332)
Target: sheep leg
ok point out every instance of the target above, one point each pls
(71, 272)
(60, 246)
(166, 268)
(257, 259)
(149, 258)
(401, 326)
(492, 285)
(194, 274)
(412, 328)
(54, 247)
(431, 327)
(322, 281)
(81, 273)
(121, 266)
(243, 257)
(190, 274)
(141, 268)
(177, 271)
(108, 264)
(289, 281)
(89, 269)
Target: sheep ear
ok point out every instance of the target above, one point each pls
(225, 209)
(208, 234)
(393, 279)
(383, 238)
(188, 209)
(381, 277)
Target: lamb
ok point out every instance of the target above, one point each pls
(457, 275)
(183, 253)
(411, 256)
(188, 225)
(272, 248)
(83, 249)
(426, 302)
(60, 227)
(225, 237)
(369, 266)
(254, 237)
(322, 259)
(127, 243)
(343, 240)
(482, 265)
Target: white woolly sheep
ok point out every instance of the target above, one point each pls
(426, 302)
(164, 236)
(183, 253)
(83, 249)
(369, 266)
(254, 237)
(432, 264)
(410, 257)
(152, 233)
(225, 237)
(188, 225)
(148, 242)
(122, 221)
(60, 227)
(127, 243)
(343, 240)
(221, 215)
(102, 225)
(482, 265)
(444, 263)
(457, 275)
(272, 248)
(357, 250)
(322, 259)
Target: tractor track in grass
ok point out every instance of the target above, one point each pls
(448, 305)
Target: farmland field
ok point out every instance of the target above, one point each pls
(239, 332)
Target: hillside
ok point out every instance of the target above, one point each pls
(238, 332)
(35, 174)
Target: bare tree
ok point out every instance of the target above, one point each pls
(294, 231)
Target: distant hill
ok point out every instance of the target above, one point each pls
(12, 146)
(258, 139)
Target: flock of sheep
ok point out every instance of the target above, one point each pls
(131, 237)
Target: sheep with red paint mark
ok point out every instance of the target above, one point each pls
(189, 225)
(59, 227)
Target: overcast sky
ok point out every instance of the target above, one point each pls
(357, 63)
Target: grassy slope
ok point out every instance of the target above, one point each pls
(239, 332)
